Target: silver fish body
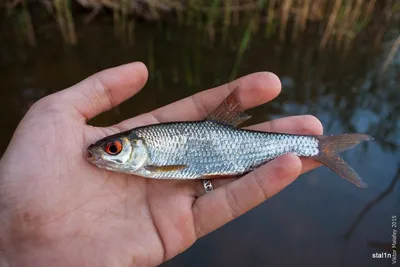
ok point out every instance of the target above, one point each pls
(210, 148)
(215, 147)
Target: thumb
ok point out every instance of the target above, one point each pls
(106, 89)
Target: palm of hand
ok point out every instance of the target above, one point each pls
(63, 203)
(115, 215)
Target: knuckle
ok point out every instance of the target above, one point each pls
(233, 204)
(198, 227)
(42, 102)
(51, 106)
(102, 88)
(47, 104)
(200, 107)
(262, 186)
(199, 231)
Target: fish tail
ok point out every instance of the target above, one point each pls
(330, 146)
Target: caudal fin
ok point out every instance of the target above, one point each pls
(329, 146)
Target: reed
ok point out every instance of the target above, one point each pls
(200, 22)
(391, 55)
(124, 24)
(190, 14)
(27, 24)
(65, 20)
(269, 28)
(70, 22)
(304, 14)
(287, 4)
(235, 12)
(211, 19)
(242, 48)
(21, 21)
(338, 21)
(331, 23)
(227, 13)
(130, 32)
(60, 18)
(257, 14)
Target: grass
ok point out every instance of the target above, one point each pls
(336, 22)
(244, 44)
(391, 55)
(65, 20)
(26, 24)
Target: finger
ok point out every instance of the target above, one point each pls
(303, 124)
(254, 89)
(228, 202)
(106, 89)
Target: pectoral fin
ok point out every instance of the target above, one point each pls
(166, 168)
(228, 112)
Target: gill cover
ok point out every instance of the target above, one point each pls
(121, 153)
(139, 155)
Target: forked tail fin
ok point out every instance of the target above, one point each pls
(329, 146)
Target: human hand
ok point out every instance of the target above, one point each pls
(57, 209)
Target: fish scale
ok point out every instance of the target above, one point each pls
(215, 147)
(210, 148)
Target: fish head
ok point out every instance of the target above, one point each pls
(119, 153)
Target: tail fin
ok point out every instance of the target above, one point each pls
(329, 146)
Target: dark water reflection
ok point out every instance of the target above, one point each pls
(306, 224)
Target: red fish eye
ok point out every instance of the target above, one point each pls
(114, 148)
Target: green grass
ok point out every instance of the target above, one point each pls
(338, 21)
(245, 42)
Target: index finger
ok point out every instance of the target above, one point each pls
(253, 90)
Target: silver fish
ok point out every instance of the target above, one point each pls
(215, 147)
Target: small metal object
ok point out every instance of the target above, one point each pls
(208, 186)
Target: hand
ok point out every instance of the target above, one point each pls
(58, 209)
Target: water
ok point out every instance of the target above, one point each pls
(316, 221)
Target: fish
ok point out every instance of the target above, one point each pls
(215, 147)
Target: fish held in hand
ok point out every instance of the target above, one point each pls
(215, 147)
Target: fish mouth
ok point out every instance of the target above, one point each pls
(96, 159)
(90, 156)
(93, 157)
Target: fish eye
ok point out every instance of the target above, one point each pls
(114, 148)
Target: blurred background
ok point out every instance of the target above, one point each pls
(338, 60)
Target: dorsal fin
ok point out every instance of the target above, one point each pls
(228, 112)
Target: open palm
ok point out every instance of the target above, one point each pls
(60, 210)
